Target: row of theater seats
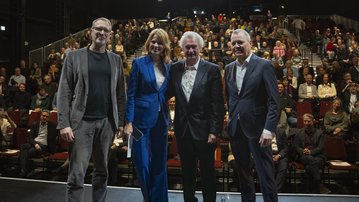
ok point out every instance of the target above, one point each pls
(306, 107)
(21, 134)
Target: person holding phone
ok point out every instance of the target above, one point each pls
(147, 113)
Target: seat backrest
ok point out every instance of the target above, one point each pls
(53, 117)
(16, 117)
(335, 148)
(324, 108)
(173, 150)
(218, 154)
(63, 145)
(304, 107)
(20, 137)
(33, 117)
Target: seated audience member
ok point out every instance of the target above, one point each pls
(278, 70)
(279, 49)
(40, 101)
(354, 69)
(16, 79)
(279, 154)
(296, 58)
(305, 64)
(303, 75)
(307, 91)
(319, 78)
(49, 86)
(289, 90)
(42, 140)
(292, 79)
(288, 105)
(309, 144)
(344, 84)
(3, 92)
(264, 49)
(6, 123)
(288, 66)
(354, 118)
(336, 121)
(324, 64)
(117, 153)
(351, 96)
(21, 99)
(327, 90)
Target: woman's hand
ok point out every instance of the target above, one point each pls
(128, 129)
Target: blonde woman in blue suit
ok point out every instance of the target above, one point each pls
(147, 110)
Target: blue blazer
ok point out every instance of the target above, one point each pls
(257, 105)
(144, 98)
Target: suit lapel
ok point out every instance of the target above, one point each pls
(113, 70)
(179, 73)
(250, 68)
(201, 71)
(166, 69)
(151, 72)
(232, 76)
(85, 68)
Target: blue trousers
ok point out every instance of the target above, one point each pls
(150, 155)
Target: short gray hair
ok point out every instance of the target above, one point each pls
(102, 19)
(191, 35)
(243, 32)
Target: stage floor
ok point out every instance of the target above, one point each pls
(28, 190)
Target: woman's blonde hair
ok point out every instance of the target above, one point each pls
(164, 39)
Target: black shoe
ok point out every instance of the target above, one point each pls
(57, 170)
(22, 174)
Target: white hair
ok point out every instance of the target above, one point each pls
(191, 35)
(243, 32)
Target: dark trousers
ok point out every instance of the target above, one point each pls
(116, 155)
(312, 167)
(280, 169)
(242, 147)
(190, 151)
(92, 139)
(28, 151)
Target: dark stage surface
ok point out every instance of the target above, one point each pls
(27, 190)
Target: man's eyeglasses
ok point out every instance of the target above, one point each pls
(100, 29)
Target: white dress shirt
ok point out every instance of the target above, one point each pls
(241, 71)
(188, 79)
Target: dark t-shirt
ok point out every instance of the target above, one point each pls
(98, 99)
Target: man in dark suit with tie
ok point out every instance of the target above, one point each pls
(199, 112)
(253, 109)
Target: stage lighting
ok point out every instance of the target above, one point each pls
(2, 28)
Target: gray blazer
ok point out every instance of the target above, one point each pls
(73, 89)
(302, 92)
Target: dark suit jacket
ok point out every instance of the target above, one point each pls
(143, 95)
(74, 87)
(52, 133)
(317, 151)
(204, 113)
(257, 105)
